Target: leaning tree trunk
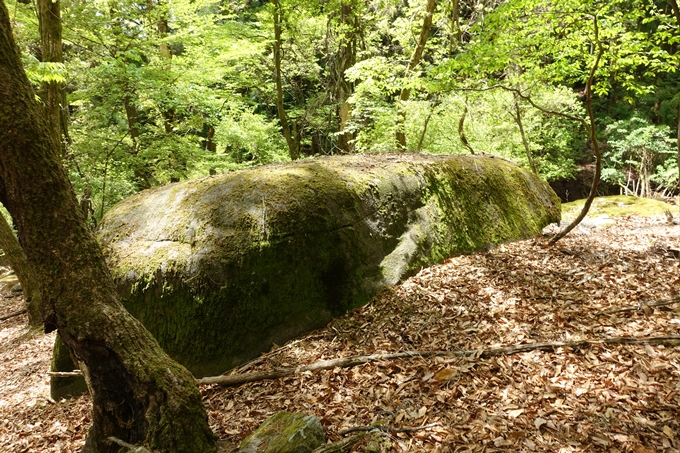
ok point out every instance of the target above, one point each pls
(413, 62)
(17, 259)
(139, 394)
(517, 116)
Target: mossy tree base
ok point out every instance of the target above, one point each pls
(220, 268)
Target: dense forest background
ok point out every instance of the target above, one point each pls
(155, 91)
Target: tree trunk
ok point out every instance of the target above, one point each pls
(345, 59)
(54, 97)
(413, 62)
(592, 132)
(676, 12)
(517, 116)
(139, 394)
(456, 36)
(461, 127)
(435, 103)
(293, 149)
(29, 284)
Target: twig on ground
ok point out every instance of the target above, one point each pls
(346, 362)
(387, 429)
(13, 315)
(130, 447)
(340, 446)
(641, 306)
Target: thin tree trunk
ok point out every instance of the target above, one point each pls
(132, 119)
(593, 137)
(293, 150)
(166, 55)
(461, 128)
(676, 12)
(345, 59)
(17, 259)
(50, 39)
(456, 36)
(435, 102)
(518, 119)
(139, 394)
(413, 62)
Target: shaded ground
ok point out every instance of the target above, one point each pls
(610, 399)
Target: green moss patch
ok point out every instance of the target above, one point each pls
(615, 206)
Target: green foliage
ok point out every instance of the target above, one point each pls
(159, 91)
(637, 147)
(43, 72)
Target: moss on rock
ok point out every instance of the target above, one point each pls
(285, 433)
(220, 268)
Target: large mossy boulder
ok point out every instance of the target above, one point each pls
(221, 268)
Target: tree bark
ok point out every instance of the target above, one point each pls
(517, 116)
(461, 127)
(293, 148)
(345, 59)
(54, 97)
(413, 62)
(139, 394)
(456, 36)
(17, 259)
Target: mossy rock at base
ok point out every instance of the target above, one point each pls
(285, 432)
(221, 268)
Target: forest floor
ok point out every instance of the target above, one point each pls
(598, 397)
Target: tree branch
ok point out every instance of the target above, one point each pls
(13, 315)
(340, 446)
(130, 447)
(346, 362)
(641, 305)
(388, 429)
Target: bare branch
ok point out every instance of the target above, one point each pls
(346, 362)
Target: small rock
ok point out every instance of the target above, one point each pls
(16, 288)
(285, 432)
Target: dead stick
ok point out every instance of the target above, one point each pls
(346, 362)
(12, 315)
(388, 429)
(130, 447)
(65, 374)
(340, 446)
(641, 306)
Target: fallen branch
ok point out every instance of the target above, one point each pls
(130, 447)
(340, 446)
(65, 374)
(641, 306)
(346, 362)
(388, 429)
(13, 315)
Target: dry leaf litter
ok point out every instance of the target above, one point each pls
(613, 398)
